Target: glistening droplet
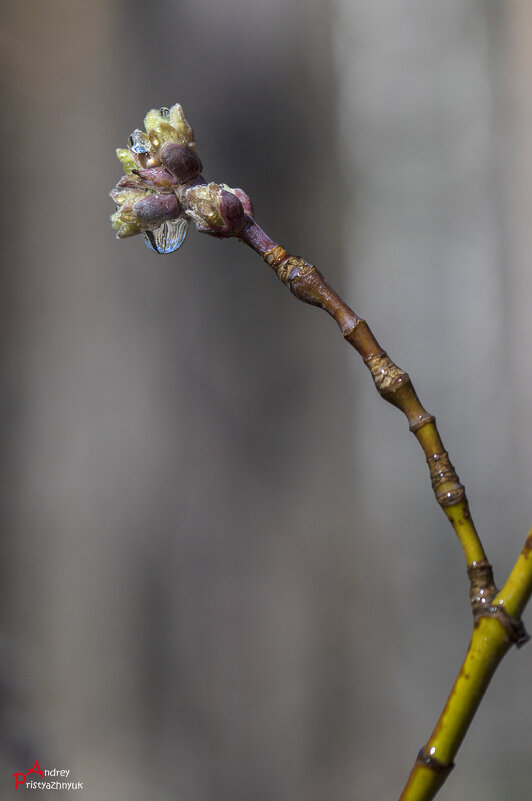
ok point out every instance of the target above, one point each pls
(164, 112)
(167, 237)
(138, 142)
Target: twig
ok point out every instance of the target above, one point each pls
(497, 615)
(162, 190)
(490, 641)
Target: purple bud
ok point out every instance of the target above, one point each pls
(231, 210)
(247, 205)
(182, 161)
(153, 210)
(130, 181)
(156, 176)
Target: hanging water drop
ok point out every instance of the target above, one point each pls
(167, 237)
(138, 142)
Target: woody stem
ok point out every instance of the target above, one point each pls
(497, 616)
(392, 383)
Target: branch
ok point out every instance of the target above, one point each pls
(490, 641)
(497, 615)
(162, 190)
(392, 383)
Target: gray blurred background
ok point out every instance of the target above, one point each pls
(225, 575)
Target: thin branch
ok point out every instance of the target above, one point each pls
(162, 190)
(489, 643)
(497, 616)
(392, 383)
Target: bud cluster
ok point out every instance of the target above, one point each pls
(163, 188)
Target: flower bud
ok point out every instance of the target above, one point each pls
(164, 127)
(139, 207)
(231, 209)
(129, 181)
(168, 125)
(124, 221)
(247, 205)
(125, 225)
(178, 121)
(152, 210)
(215, 209)
(126, 159)
(161, 134)
(159, 162)
(181, 161)
(156, 176)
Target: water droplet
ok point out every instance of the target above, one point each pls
(138, 142)
(167, 237)
(164, 112)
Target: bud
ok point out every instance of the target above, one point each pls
(216, 208)
(163, 127)
(124, 223)
(152, 210)
(126, 159)
(139, 208)
(125, 195)
(156, 176)
(147, 196)
(181, 161)
(155, 197)
(247, 205)
(169, 125)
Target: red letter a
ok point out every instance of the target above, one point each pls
(36, 769)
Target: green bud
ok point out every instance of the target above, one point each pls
(215, 208)
(126, 159)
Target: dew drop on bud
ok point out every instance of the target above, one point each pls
(138, 142)
(167, 237)
(164, 112)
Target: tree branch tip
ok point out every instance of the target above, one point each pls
(162, 191)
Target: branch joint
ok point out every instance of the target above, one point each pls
(482, 589)
(433, 764)
(515, 629)
(286, 266)
(388, 377)
(445, 482)
(424, 420)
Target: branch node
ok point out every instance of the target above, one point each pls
(433, 764)
(422, 421)
(287, 267)
(445, 483)
(482, 589)
(292, 268)
(515, 629)
(275, 256)
(388, 377)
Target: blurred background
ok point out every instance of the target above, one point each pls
(224, 572)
